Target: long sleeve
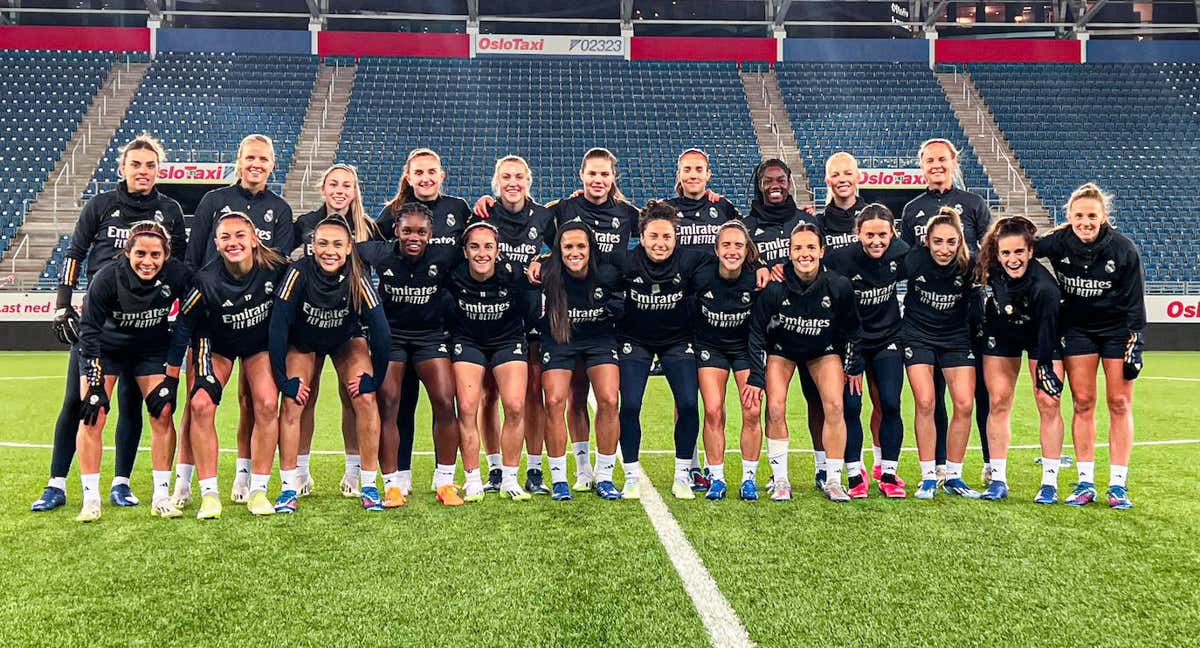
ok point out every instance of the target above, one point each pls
(81, 242)
(286, 239)
(101, 300)
(201, 237)
(379, 335)
(760, 320)
(1045, 311)
(974, 229)
(283, 313)
(190, 310)
(849, 328)
(1135, 294)
(177, 231)
(908, 230)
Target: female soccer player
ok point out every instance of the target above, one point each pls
(412, 285)
(99, 236)
(873, 267)
(839, 219)
(487, 329)
(321, 305)
(584, 300)
(1021, 315)
(700, 216)
(725, 294)
(773, 212)
(660, 286)
(815, 325)
(940, 308)
(124, 332)
(1103, 318)
(229, 306)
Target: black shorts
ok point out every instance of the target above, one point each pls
(1003, 344)
(801, 357)
(716, 358)
(492, 354)
(1108, 345)
(125, 364)
(632, 351)
(237, 350)
(886, 349)
(415, 352)
(593, 352)
(919, 352)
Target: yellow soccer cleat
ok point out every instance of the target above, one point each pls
(393, 497)
(163, 508)
(210, 508)
(90, 512)
(259, 504)
(448, 495)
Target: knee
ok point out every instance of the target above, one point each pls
(606, 403)
(631, 407)
(365, 403)
(923, 403)
(514, 408)
(1083, 402)
(1002, 403)
(776, 413)
(1047, 406)
(714, 412)
(556, 402)
(290, 413)
(202, 407)
(1119, 405)
(963, 405)
(833, 410)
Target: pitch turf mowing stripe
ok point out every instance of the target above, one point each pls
(715, 612)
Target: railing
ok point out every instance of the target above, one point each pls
(24, 245)
(1173, 287)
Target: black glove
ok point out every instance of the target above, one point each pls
(366, 383)
(852, 362)
(209, 383)
(162, 395)
(1133, 356)
(93, 402)
(1047, 380)
(66, 325)
(291, 387)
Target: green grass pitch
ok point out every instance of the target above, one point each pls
(587, 572)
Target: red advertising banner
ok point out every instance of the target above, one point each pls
(388, 44)
(697, 48)
(32, 37)
(1007, 50)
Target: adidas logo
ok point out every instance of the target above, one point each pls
(857, 277)
(637, 280)
(388, 273)
(1065, 261)
(892, 347)
(921, 279)
(708, 295)
(227, 304)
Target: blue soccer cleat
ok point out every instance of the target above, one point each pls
(1046, 495)
(606, 490)
(1118, 498)
(286, 502)
(370, 499)
(926, 490)
(996, 490)
(749, 491)
(960, 488)
(560, 492)
(819, 480)
(121, 495)
(717, 490)
(701, 479)
(51, 499)
(1084, 494)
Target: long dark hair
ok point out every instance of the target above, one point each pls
(354, 267)
(264, 257)
(756, 179)
(947, 216)
(989, 251)
(553, 278)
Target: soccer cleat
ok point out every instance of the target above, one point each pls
(996, 490)
(560, 492)
(582, 483)
(259, 504)
(495, 477)
(404, 482)
(516, 493)
(701, 479)
(960, 488)
(90, 512)
(749, 491)
(608, 491)
(393, 497)
(51, 499)
(940, 471)
(986, 475)
(448, 495)
(240, 493)
(926, 490)
(535, 483)
(1118, 498)
(121, 495)
(1084, 493)
(862, 490)
(287, 502)
(163, 508)
(892, 490)
(681, 489)
(182, 496)
(877, 473)
(834, 492)
(632, 490)
(819, 480)
(473, 492)
(307, 484)
(370, 499)
(210, 508)
(349, 486)
(716, 490)
(781, 491)
(1046, 495)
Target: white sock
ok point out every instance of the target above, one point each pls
(695, 463)
(472, 478)
(493, 461)
(302, 466)
(633, 472)
(1050, 471)
(404, 476)
(682, 466)
(854, 469)
(820, 462)
(242, 475)
(183, 474)
(287, 480)
(391, 479)
(91, 486)
(260, 482)
(777, 456)
(58, 482)
(353, 464)
(890, 467)
(717, 470)
(833, 470)
(1117, 475)
(208, 486)
(999, 470)
(367, 478)
(876, 455)
(928, 470)
(749, 470)
(1087, 471)
(534, 462)
(605, 465)
(558, 470)
(987, 465)
(583, 462)
(162, 484)
(953, 470)
(117, 481)
(508, 476)
(443, 475)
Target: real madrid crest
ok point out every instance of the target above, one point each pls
(533, 233)
(433, 270)
(1110, 266)
(450, 220)
(269, 216)
(745, 298)
(825, 301)
(598, 294)
(616, 223)
(269, 287)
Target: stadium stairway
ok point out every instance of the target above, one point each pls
(53, 213)
(1015, 190)
(773, 128)
(317, 146)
